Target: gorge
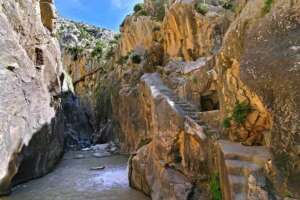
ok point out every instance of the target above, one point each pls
(190, 100)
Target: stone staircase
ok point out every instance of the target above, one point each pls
(188, 109)
(236, 163)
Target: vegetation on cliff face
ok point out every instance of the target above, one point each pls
(215, 187)
(78, 39)
(267, 6)
(201, 8)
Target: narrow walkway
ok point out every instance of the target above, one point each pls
(73, 180)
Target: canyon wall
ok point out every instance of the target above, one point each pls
(85, 51)
(233, 68)
(31, 129)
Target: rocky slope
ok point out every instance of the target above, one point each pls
(31, 128)
(220, 63)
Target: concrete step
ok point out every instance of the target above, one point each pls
(239, 196)
(241, 168)
(188, 108)
(237, 151)
(238, 183)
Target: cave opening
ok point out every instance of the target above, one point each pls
(209, 101)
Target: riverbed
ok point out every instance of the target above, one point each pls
(73, 179)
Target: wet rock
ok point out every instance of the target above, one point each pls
(79, 156)
(101, 155)
(97, 168)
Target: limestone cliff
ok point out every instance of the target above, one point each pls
(225, 73)
(86, 50)
(31, 128)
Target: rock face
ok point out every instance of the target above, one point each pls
(174, 159)
(31, 129)
(78, 127)
(221, 62)
(255, 68)
(85, 51)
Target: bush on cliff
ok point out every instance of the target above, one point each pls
(136, 59)
(239, 114)
(267, 6)
(74, 51)
(227, 4)
(98, 50)
(201, 8)
(138, 7)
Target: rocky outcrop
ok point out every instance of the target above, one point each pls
(241, 169)
(222, 57)
(31, 129)
(258, 64)
(175, 158)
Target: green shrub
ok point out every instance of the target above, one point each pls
(160, 11)
(226, 122)
(227, 4)
(267, 6)
(74, 51)
(201, 8)
(83, 33)
(136, 59)
(240, 112)
(98, 50)
(215, 187)
(138, 7)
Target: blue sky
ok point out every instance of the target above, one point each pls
(103, 13)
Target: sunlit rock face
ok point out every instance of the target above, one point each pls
(137, 33)
(189, 35)
(258, 63)
(227, 63)
(31, 129)
(175, 155)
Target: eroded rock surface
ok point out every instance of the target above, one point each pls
(31, 129)
(223, 64)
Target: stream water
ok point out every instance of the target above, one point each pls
(73, 179)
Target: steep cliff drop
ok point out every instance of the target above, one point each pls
(203, 95)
